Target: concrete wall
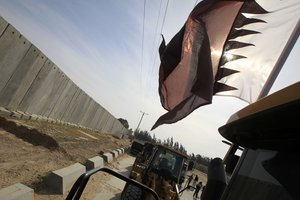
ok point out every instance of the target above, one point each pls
(30, 82)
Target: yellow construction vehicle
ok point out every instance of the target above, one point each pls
(268, 168)
(160, 168)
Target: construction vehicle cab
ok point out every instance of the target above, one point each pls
(269, 132)
(162, 171)
(136, 147)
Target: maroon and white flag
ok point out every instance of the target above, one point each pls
(233, 47)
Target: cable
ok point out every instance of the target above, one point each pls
(142, 53)
(163, 23)
(156, 27)
(154, 48)
(143, 34)
(155, 54)
(196, 3)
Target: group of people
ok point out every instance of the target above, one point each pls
(197, 185)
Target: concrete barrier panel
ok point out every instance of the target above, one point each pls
(112, 125)
(89, 114)
(102, 120)
(16, 114)
(4, 112)
(109, 124)
(114, 128)
(80, 108)
(71, 106)
(3, 25)
(13, 47)
(76, 107)
(120, 151)
(85, 109)
(117, 129)
(64, 100)
(94, 162)
(59, 83)
(21, 79)
(42, 95)
(106, 124)
(33, 97)
(95, 121)
(32, 86)
(108, 157)
(17, 191)
(62, 180)
(114, 153)
(92, 118)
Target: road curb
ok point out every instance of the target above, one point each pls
(17, 191)
(108, 157)
(94, 162)
(63, 179)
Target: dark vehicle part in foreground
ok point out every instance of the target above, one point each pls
(269, 132)
(79, 185)
(156, 174)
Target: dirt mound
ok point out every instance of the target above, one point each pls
(31, 136)
(30, 150)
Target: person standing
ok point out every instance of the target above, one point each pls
(198, 188)
(196, 178)
(203, 188)
(190, 179)
(195, 181)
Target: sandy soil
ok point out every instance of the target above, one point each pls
(30, 150)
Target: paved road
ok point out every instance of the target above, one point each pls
(112, 187)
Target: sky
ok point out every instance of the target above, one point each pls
(110, 50)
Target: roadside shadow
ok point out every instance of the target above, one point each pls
(116, 197)
(46, 192)
(31, 136)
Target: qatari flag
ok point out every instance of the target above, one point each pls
(231, 47)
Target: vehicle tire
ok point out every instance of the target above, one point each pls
(132, 192)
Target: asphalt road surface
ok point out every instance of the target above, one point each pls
(111, 187)
(114, 186)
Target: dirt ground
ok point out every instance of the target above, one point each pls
(30, 150)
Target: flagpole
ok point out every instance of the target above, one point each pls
(280, 62)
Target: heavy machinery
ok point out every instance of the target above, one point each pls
(268, 168)
(269, 133)
(156, 173)
(137, 147)
(160, 168)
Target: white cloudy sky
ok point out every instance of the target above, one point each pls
(98, 44)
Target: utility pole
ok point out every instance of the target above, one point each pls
(143, 113)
